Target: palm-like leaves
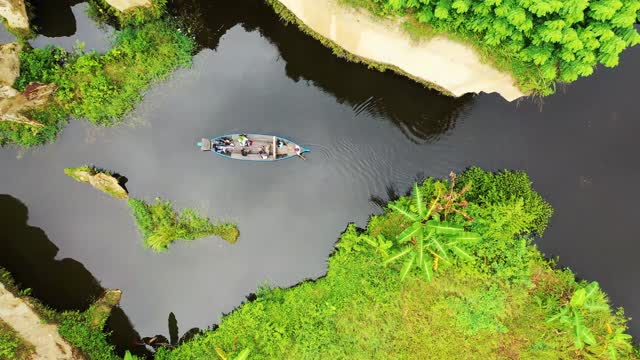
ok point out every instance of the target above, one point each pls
(571, 316)
(428, 240)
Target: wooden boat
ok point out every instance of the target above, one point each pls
(255, 147)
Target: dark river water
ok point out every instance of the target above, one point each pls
(368, 130)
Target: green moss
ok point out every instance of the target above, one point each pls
(160, 224)
(288, 17)
(362, 310)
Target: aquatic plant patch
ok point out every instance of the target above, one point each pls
(160, 224)
(367, 307)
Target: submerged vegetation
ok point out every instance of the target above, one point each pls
(539, 42)
(467, 283)
(160, 224)
(101, 88)
(100, 179)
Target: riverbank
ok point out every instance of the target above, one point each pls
(447, 273)
(68, 335)
(101, 88)
(439, 62)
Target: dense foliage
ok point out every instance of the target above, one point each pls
(160, 224)
(502, 300)
(540, 41)
(99, 87)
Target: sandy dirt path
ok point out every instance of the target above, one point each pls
(44, 337)
(449, 64)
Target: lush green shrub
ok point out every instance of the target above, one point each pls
(506, 187)
(77, 328)
(160, 224)
(362, 310)
(540, 42)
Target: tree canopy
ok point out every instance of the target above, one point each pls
(544, 41)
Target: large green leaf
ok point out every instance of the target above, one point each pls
(578, 298)
(409, 232)
(398, 255)
(408, 264)
(591, 289)
(409, 215)
(581, 332)
(420, 205)
(467, 237)
(426, 267)
(244, 355)
(559, 315)
(441, 251)
(461, 253)
(444, 227)
(420, 238)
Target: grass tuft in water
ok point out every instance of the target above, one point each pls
(160, 224)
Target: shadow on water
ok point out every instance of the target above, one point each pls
(422, 114)
(54, 18)
(64, 284)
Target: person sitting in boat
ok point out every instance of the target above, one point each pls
(244, 152)
(263, 153)
(222, 149)
(280, 143)
(244, 140)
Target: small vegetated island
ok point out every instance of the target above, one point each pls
(159, 223)
(539, 42)
(448, 273)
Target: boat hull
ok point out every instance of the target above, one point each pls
(252, 147)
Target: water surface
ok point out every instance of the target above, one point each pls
(367, 130)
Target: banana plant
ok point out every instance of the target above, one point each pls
(428, 240)
(571, 316)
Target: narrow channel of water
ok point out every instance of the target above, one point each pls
(367, 130)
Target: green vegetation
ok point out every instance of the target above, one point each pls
(101, 11)
(495, 296)
(84, 330)
(160, 224)
(100, 179)
(12, 346)
(539, 42)
(99, 87)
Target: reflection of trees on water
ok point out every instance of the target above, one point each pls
(422, 114)
(54, 18)
(64, 284)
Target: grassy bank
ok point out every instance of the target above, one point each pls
(83, 330)
(160, 224)
(541, 43)
(101, 88)
(449, 273)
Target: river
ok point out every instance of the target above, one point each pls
(368, 131)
